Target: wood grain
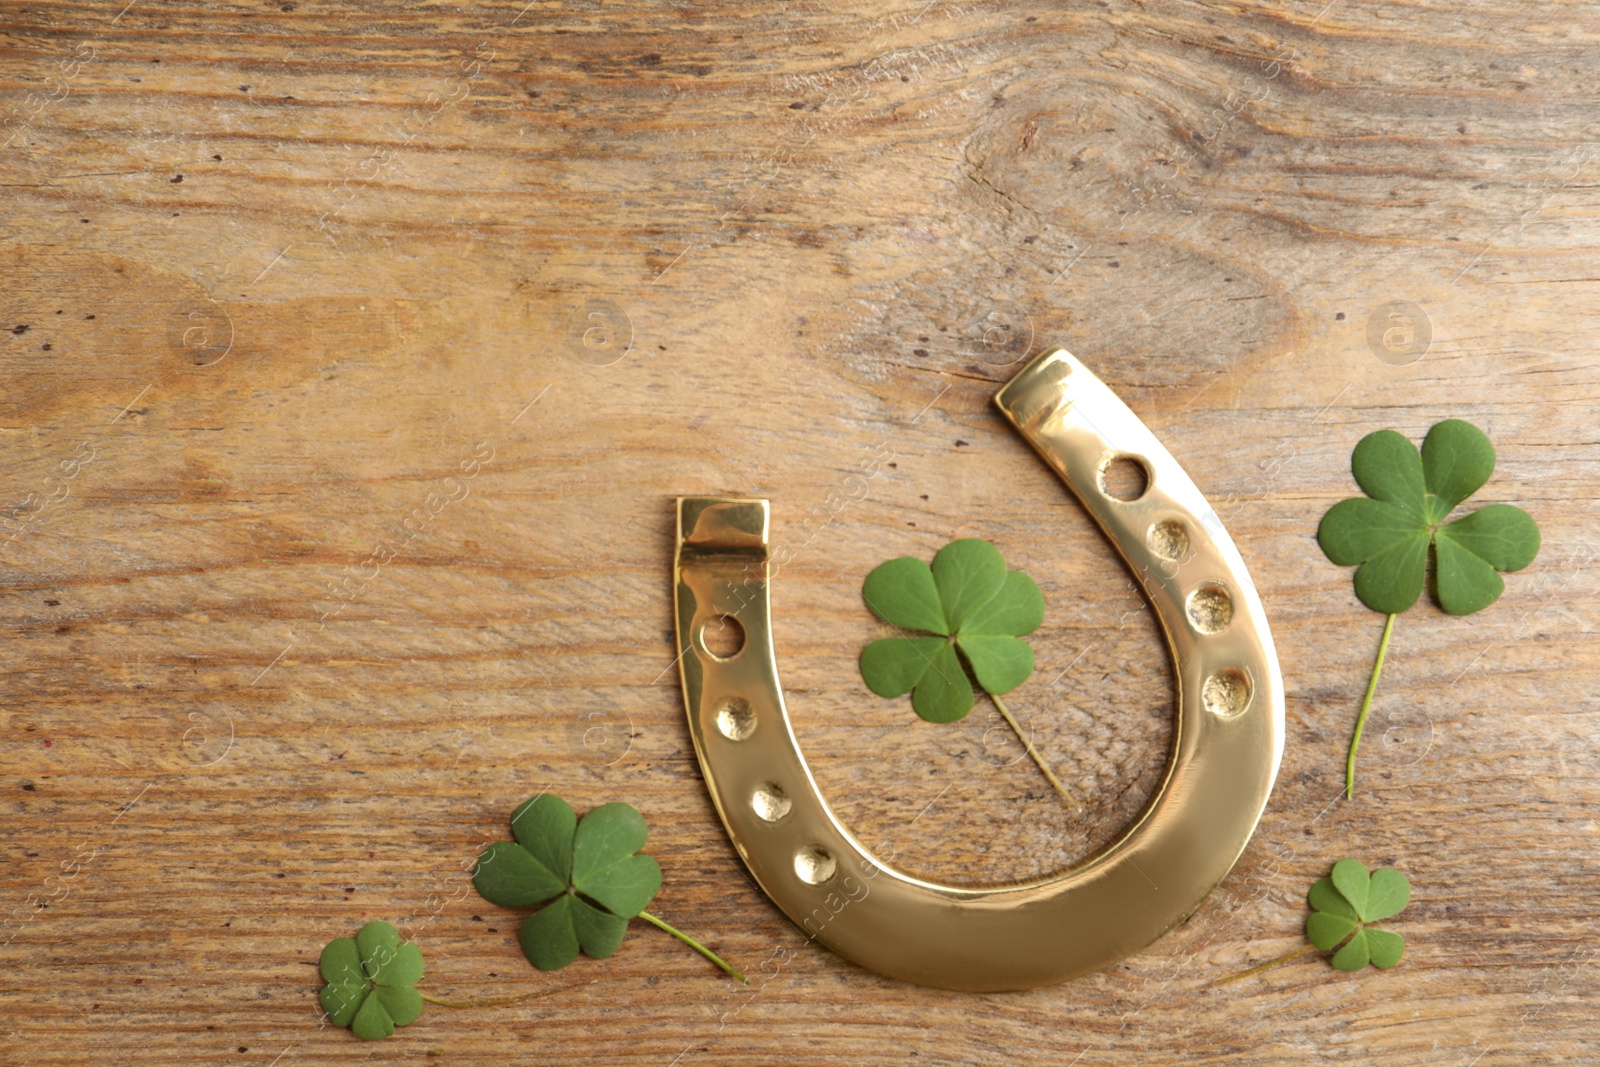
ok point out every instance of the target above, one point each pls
(354, 353)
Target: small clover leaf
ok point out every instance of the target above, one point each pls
(587, 874)
(1409, 497)
(369, 981)
(1387, 534)
(974, 605)
(1343, 907)
(972, 612)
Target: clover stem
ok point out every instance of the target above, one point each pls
(1301, 951)
(1027, 744)
(491, 1002)
(1366, 708)
(692, 943)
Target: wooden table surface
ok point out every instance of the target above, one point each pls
(355, 352)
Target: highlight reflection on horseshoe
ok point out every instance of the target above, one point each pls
(1227, 741)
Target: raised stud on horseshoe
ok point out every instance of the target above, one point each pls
(1227, 742)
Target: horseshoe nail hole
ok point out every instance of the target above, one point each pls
(1169, 540)
(814, 865)
(734, 719)
(1124, 478)
(1210, 608)
(1226, 693)
(771, 802)
(722, 636)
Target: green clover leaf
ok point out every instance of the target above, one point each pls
(1409, 496)
(972, 612)
(369, 981)
(1343, 907)
(1389, 531)
(586, 874)
(977, 608)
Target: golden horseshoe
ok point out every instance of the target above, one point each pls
(1227, 743)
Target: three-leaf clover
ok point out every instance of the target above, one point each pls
(1344, 904)
(968, 612)
(588, 876)
(1410, 497)
(370, 979)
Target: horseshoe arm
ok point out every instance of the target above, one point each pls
(1227, 743)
